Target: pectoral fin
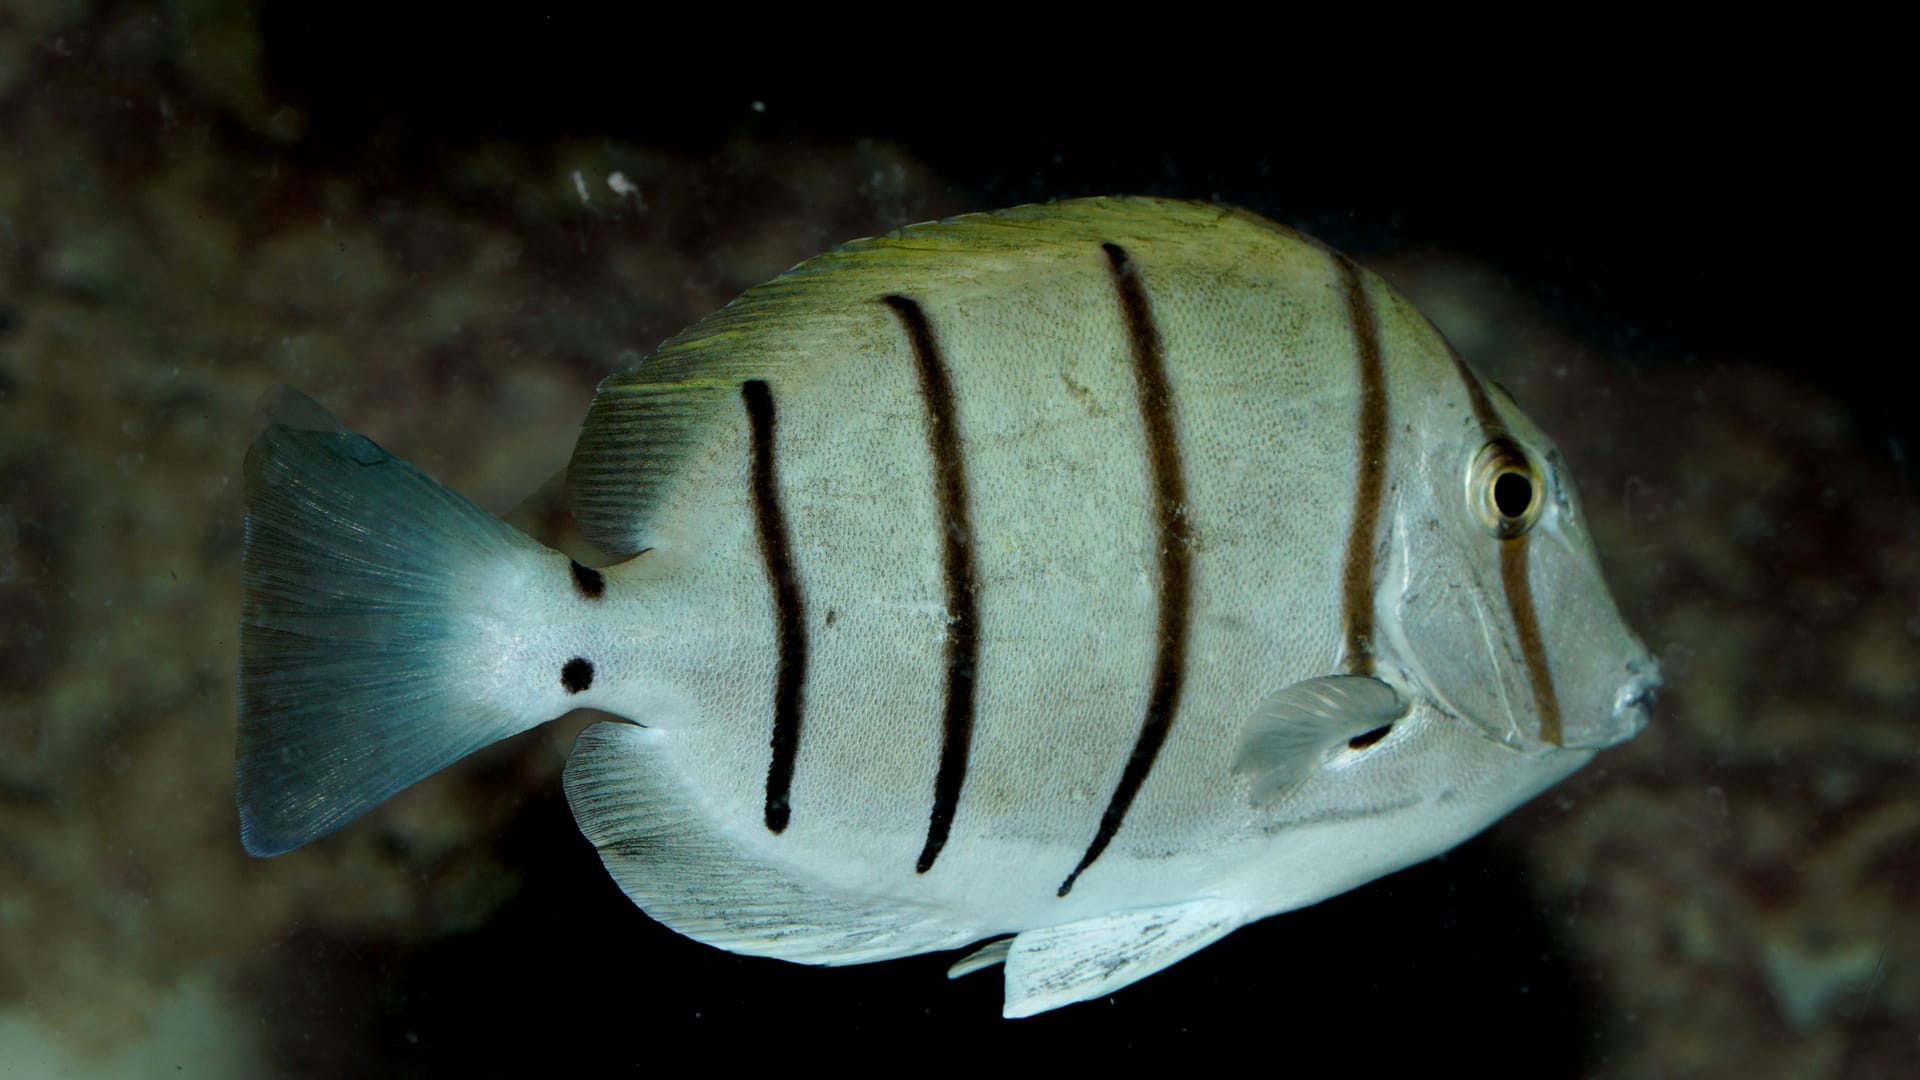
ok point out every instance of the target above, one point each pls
(1294, 729)
(1059, 965)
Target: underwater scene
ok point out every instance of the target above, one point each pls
(447, 237)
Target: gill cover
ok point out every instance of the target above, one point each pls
(1496, 602)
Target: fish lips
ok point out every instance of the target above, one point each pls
(1633, 703)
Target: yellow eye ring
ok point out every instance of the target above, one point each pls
(1505, 490)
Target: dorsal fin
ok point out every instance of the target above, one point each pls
(646, 417)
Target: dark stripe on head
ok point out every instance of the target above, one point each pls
(1172, 538)
(1526, 621)
(1514, 580)
(1491, 426)
(789, 606)
(956, 566)
(1370, 470)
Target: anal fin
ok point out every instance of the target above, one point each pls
(1059, 965)
(673, 859)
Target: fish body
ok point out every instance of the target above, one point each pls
(1107, 574)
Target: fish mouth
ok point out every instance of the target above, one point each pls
(1630, 712)
(1634, 700)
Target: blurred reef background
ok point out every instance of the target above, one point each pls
(447, 232)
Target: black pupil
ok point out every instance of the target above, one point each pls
(1512, 494)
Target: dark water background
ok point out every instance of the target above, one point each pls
(409, 217)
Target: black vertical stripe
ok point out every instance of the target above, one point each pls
(1526, 621)
(1514, 579)
(1370, 471)
(588, 582)
(789, 606)
(1491, 426)
(1173, 539)
(956, 566)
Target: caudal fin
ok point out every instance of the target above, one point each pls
(377, 632)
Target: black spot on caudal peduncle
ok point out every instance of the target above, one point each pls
(576, 674)
(588, 581)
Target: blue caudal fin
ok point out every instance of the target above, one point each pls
(377, 603)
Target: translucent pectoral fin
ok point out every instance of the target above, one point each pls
(1059, 965)
(1295, 728)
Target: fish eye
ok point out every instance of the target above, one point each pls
(1505, 489)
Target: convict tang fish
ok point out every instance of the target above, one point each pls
(1095, 577)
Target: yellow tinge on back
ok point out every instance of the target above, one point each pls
(645, 418)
